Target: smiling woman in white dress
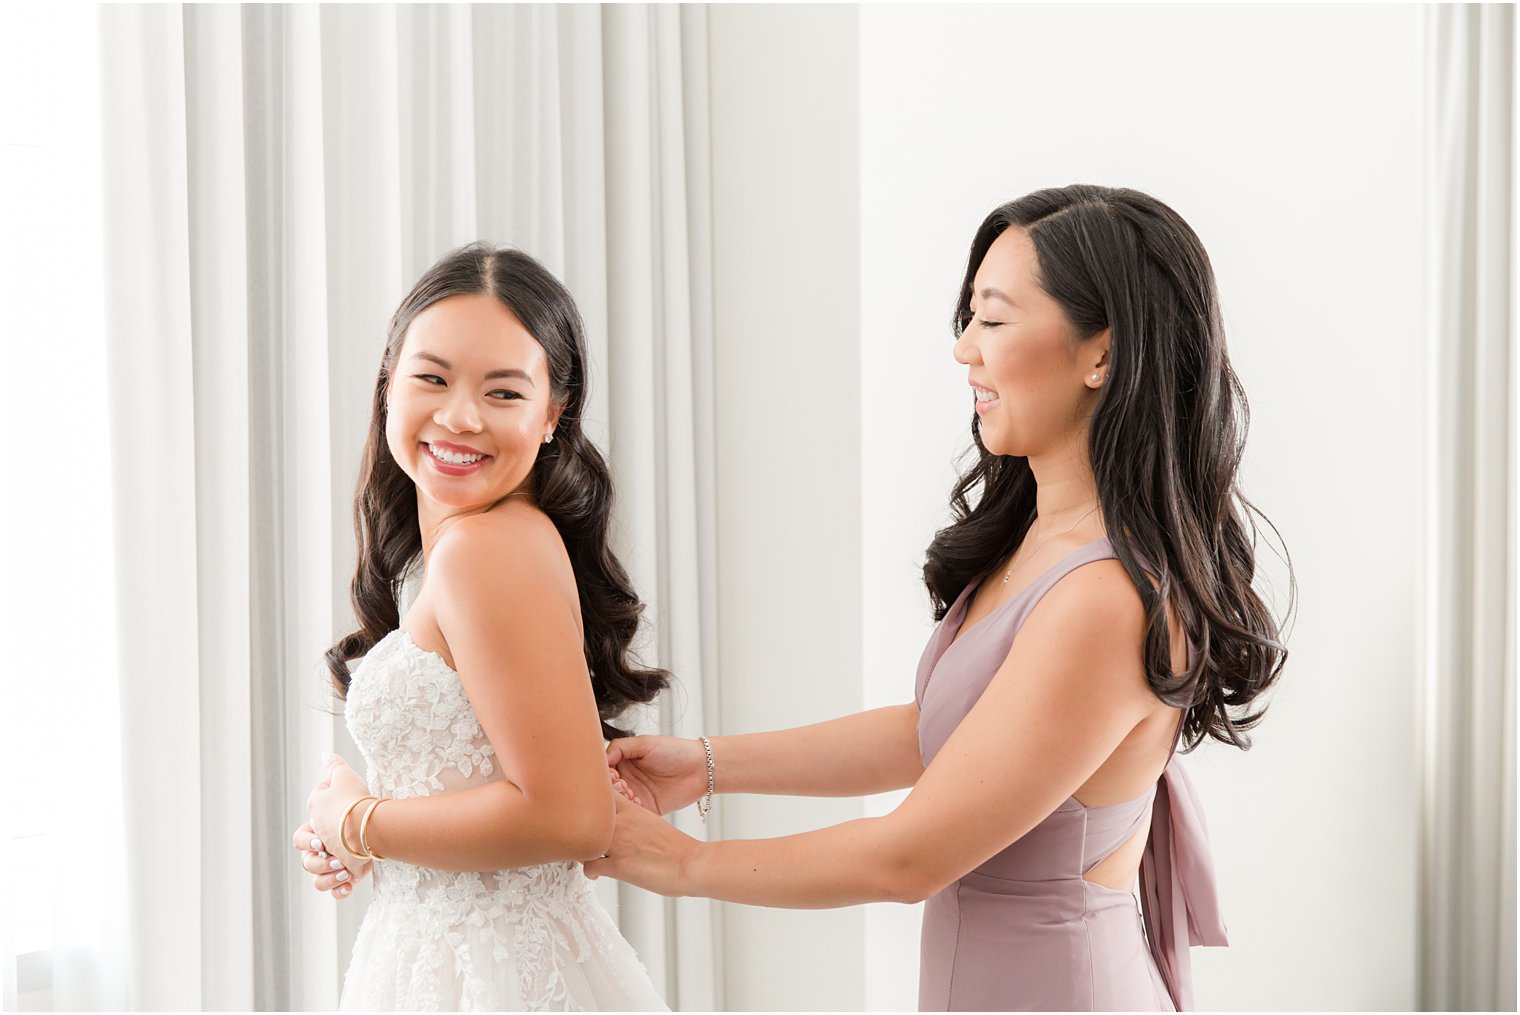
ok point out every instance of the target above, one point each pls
(478, 712)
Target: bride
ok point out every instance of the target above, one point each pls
(477, 713)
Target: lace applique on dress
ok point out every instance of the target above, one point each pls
(532, 939)
(412, 721)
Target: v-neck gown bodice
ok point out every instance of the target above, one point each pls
(1025, 931)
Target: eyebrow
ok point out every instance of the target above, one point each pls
(490, 375)
(990, 293)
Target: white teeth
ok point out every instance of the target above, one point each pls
(983, 395)
(453, 457)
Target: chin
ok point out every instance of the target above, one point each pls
(993, 441)
(454, 499)
(455, 495)
(996, 444)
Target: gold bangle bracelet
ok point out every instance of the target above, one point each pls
(368, 853)
(343, 821)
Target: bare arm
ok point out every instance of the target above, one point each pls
(508, 610)
(1070, 691)
(868, 752)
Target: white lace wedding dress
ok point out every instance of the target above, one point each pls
(533, 939)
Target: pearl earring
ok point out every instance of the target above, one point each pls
(1096, 376)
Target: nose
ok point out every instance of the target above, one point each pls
(966, 351)
(459, 414)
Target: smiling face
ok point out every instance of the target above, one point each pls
(468, 404)
(1033, 380)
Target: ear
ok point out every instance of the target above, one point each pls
(555, 408)
(1095, 358)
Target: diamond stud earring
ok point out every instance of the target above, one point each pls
(548, 438)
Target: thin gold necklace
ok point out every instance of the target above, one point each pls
(1037, 549)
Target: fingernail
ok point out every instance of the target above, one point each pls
(336, 865)
(341, 875)
(343, 890)
(316, 845)
(322, 855)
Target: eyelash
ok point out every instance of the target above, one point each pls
(512, 396)
(986, 324)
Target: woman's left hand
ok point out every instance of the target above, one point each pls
(327, 871)
(645, 851)
(331, 797)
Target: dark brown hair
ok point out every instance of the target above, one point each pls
(571, 482)
(1165, 441)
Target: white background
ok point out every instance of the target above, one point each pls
(1291, 139)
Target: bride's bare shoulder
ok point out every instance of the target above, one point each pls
(511, 548)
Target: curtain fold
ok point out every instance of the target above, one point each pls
(1467, 904)
(217, 239)
(152, 372)
(658, 349)
(278, 176)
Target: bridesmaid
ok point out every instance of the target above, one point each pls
(1095, 606)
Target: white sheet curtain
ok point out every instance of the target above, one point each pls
(276, 178)
(1467, 911)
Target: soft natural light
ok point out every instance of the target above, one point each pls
(62, 803)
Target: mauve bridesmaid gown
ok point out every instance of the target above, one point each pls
(1025, 931)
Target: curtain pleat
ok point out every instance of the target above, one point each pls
(697, 928)
(1467, 903)
(219, 306)
(291, 571)
(582, 215)
(437, 132)
(152, 370)
(636, 351)
(361, 124)
(278, 176)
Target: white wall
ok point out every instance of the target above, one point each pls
(786, 268)
(1291, 139)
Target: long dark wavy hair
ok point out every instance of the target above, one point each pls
(571, 483)
(1165, 441)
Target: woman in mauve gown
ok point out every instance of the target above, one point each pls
(1095, 606)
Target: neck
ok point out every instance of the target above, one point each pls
(1065, 488)
(433, 518)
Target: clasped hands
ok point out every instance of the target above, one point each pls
(320, 840)
(649, 776)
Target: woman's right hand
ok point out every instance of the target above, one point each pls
(664, 773)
